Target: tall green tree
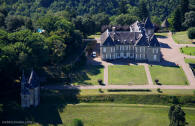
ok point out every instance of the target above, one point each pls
(184, 8)
(143, 11)
(123, 7)
(177, 21)
(189, 19)
(176, 116)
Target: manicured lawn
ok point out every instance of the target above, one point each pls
(124, 75)
(192, 61)
(182, 38)
(121, 115)
(164, 34)
(168, 75)
(188, 50)
(89, 75)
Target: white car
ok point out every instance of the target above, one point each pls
(94, 54)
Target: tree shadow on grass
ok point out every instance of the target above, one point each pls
(82, 75)
(48, 112)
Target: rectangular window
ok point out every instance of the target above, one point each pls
(155, 57)
(104, 49)
(111, 49)
(156, 50)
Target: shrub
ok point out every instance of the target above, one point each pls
(159, 91)
(191, 33)
(156, 81)
(100, 90)
(100, 81)
(77, 122)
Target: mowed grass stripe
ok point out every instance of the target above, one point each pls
(188, 50)
(124, 75)
(168, 75)
(112, 115)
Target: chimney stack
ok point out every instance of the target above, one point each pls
(113, 29)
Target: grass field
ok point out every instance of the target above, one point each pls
(164, 34)
(121, 115)
(192, 61)
(168, 75)
(124, 75)
(182, 38)
(188, 50)
(89, 75)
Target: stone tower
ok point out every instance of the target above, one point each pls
(30, 90)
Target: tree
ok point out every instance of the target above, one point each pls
(56, 48)
(143, 11)
(177, 20)
(14, 22)
(47, 23)
(123, 19)
(100, 19)
(176, 116)
(2, 19)
(184, 8)
(85, 24)
(191, 33)
(46, 3)
(189, 19)
(123, 6)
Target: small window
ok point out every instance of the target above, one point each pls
(104, 49)
(155, 57)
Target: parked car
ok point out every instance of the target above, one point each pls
(93, 54)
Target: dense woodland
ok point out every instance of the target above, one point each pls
(66, 23)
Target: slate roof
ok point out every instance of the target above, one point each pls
(33, 80)
(148, 24)
(136, 27)
(165, 24)
(136, 36)
(154, 42)
(108, 41)
(143, 41)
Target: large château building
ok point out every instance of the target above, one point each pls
(139, 43)
(30, 90)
